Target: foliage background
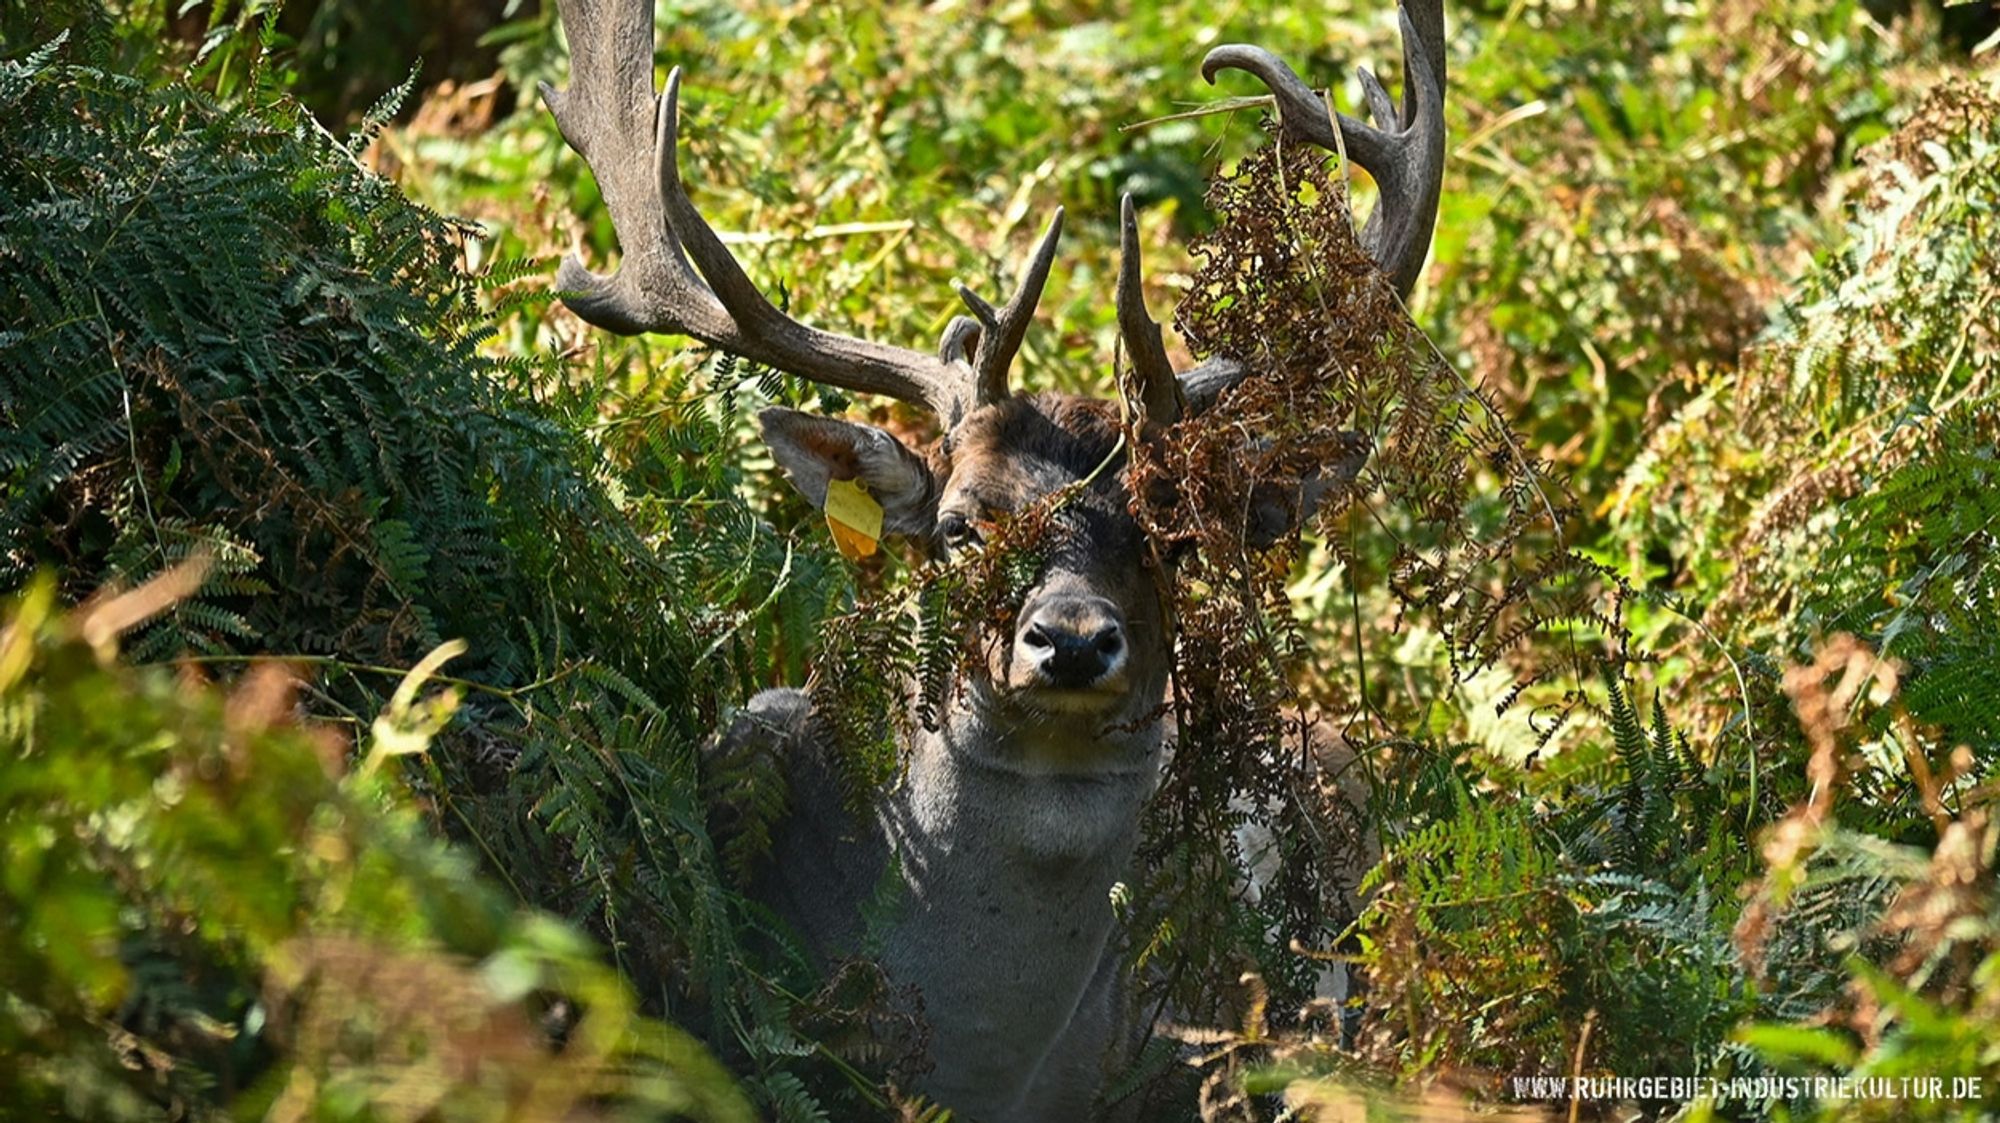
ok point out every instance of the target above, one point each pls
(1728, 265)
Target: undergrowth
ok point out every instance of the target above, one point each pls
(225, 337)
(210, 911)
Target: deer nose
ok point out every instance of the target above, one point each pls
(1073, 642)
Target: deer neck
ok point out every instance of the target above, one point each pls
(1008, 864)
(1054, 796)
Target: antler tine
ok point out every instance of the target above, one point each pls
(1159, 392)
(1165, 396)
(995, 334)
(1403, 152)
(607, 114)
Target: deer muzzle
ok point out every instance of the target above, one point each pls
(1071, 642)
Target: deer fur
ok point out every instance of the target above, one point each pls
(1017, 814)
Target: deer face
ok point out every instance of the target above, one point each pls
(1088, 645)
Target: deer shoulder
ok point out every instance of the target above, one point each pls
(778, 813)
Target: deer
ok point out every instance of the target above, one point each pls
(1020, 804)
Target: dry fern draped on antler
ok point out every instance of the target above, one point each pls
(1422, 495)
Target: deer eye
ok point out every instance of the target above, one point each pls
(958, 534)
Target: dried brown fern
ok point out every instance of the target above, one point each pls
(1446, 521)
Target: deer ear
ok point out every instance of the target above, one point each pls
(814, 450)
(1275, 511)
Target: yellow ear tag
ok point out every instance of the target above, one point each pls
(854, 518)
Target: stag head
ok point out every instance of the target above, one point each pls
(1091, 638)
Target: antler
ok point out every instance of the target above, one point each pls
(1403, 152)
(1405, 155)
(609, 114)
